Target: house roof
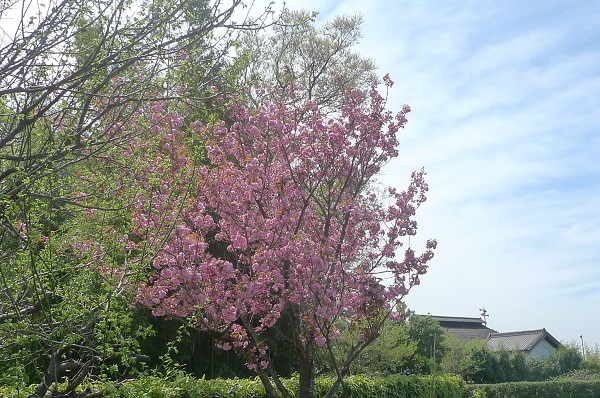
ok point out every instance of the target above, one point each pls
(464, 328)
(470, 334)
(523, 340)
(457, 319)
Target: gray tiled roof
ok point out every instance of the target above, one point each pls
(523, 340)
(470, 334)
(453, 319)
(464, 328)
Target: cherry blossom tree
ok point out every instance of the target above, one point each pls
(275, 218)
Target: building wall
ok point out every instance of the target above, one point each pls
(542, 349)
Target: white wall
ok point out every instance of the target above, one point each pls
(542, 349)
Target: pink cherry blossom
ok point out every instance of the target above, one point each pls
(280, 217)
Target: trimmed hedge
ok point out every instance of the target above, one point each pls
(537, 389)
(360, 386)
(399, 386)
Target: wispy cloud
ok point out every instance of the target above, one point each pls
(511, 145)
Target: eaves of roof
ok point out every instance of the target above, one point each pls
(457, 319)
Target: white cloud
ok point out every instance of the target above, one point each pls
(505, 99)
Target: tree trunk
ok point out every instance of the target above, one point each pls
(307, 370)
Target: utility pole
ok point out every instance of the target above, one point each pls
(432, 387)
(582, 348)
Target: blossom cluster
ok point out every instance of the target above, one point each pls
(280, 215)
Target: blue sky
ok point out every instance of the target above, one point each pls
(505, 120)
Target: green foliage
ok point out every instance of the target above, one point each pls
(66, 275)
(474, 362)
(581, 374)
(185, 386)
(403, 347)
(63, 306)
(440, 386)
(520, 369)
(592, 360)
(547, 389)
(318, 61)
(176, 347)
(484, 365)
(568, 358)
(429, 337)
(392, 353)
(182, 385)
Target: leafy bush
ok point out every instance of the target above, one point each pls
(360, 386)
(402, 347)
(475, 362)
(592, 360)
(471, 360)
(547, 389)
(581, 374)
(183, 385)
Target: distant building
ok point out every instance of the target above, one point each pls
(535, 343)
(463, 328)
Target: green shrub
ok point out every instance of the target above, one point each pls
(592, 360)
(581, 374)
(360, 386)
(475, 362)
(549, 389)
